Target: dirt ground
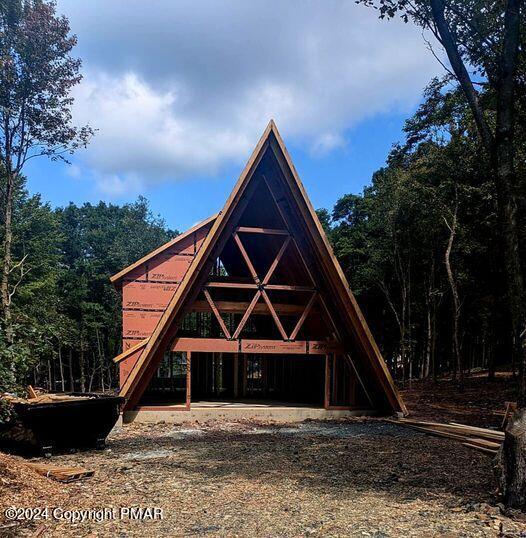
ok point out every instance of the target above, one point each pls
(480, 403)
(354, 478)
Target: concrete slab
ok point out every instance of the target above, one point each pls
(267, 413)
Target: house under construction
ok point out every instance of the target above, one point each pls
(248, 314)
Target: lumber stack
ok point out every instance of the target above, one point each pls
(35, 399)
(61, 474)
(481, 439)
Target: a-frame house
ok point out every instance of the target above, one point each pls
(250, 310)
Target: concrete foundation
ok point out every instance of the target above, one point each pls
(266, 413)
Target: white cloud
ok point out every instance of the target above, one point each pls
(141, 138)
(179, 89)
(74, 171)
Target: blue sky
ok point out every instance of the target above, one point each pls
(181, 91)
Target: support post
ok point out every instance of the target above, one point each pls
(326, 402)
(188, 379)
(236, 375)
(334, 390)
(244, 375)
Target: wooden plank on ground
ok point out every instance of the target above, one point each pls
(61, 474)
(489, 451)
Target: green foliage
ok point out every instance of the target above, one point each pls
(6, 411)
(391, 241)
(37, 72)
(65, 311)
(478, 26)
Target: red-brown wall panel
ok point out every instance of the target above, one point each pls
(147, 295)
(127, 343)
(139, 324)
(127, 364)
(143, 300)
(169, 268)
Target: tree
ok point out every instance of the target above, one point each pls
(37, 73)
(65, 314)
(98, 241)
(35, 307)
(485, 37)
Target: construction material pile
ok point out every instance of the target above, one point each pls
(481, 439)
(43, 398)
(61, 474)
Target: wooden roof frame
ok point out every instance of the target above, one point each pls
(117, 277)
(351, 311)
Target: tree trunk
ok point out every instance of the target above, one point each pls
(8, 241)
(61, 370)
(429, 339)
(513, 453)
(82, 368)
(49, 376)
(434, 369)
(429, 322)
(459, 366)
(511, 462)
(71, 377)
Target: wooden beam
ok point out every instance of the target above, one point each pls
(326, 401)
(277, 347)
(205, 345)
(303, 317)
(247, 313)
(144, 368)
(236, 375)
(287, 287)
(235, 285)
(244, 375)
(321, 347)
(188, 379)
(220, 320)
(266, 231)
(351, 362)
(246, 258)
(130, 351)
(277, 259)
(334, 273)
(248, 345)
(274, 315)
(234, 307)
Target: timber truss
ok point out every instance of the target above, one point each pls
(262, 285)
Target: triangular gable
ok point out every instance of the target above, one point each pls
(116, 278)
(289, 193)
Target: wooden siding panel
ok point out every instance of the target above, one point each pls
(169, 268)
(128, 343)
(138, 324)
(140, 296)
(147, 295)
(127, 364)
